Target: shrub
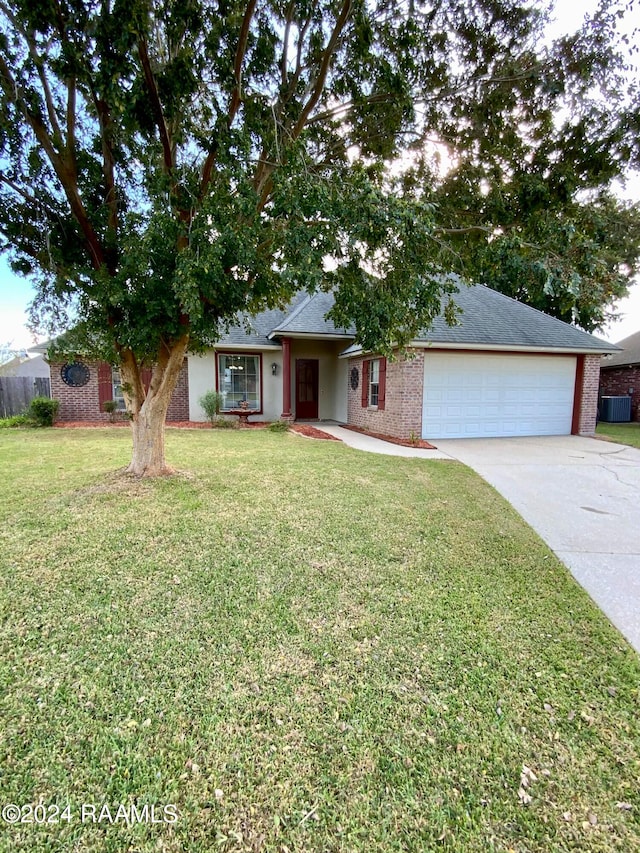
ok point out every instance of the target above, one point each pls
(110, 407)
(43, 410)
(278, 426)
(15, 421)
(211, 402)
(224, 423)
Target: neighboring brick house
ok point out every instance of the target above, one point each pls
(620, 373)
(504, 369)
(82, 387)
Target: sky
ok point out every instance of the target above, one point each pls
(16, 293)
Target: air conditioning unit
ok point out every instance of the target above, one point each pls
(615, 410)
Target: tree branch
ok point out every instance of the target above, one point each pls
(236, 96)
(28, 197)
(156, 105)
(285, 43)
(318, 87)
(71, 120)
(108, 163)
(38, 63)
(65, 173)
(261, 179)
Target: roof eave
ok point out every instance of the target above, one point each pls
(324, 336)
(221, 346)
(569, 350)
(607, 366)
(489, 347)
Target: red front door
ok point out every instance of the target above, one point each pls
(306, 388)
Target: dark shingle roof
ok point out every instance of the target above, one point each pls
(491, 318)
(254, 331)
(488, 318)
(630, 353)
(309, 318)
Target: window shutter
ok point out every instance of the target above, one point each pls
(382, 383)
(105, 384)
(365, 384)
(145, 376)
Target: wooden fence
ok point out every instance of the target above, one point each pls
(16, 392)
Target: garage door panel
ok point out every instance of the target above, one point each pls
(469, 395)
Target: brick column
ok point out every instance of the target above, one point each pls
(585, 404)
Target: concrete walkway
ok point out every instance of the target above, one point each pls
(375, 445)
(581, 495)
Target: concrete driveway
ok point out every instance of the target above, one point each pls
(582, 496)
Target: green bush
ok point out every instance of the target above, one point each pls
(278, 426)
(224, 423)
(43, 411)
(15, 421)
(110, 407)
(211, 402)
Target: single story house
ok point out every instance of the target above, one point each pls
(505, 370)
(620, 373)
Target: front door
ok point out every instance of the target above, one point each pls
(306, 388)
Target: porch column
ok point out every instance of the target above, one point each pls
(286, 379)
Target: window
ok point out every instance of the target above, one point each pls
(374, 376)
(374, 381)
(116, 384)
(239, 381)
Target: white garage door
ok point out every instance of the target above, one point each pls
(469, 395)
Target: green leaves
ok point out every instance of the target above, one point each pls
(167, 166)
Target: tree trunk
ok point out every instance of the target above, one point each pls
(148, 407)
(148, 459)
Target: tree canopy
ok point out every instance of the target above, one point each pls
(167, 164)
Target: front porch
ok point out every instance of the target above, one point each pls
(314, 380)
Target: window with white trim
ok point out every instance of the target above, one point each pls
(116, 384)
(374, 381)
(239, 381)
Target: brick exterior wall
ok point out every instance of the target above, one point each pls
(588, 392)
(82, 404)
(402, 413)
(616, 382)
(179, 406)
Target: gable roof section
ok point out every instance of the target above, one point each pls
(309, 319)
(630, 353)
(491, 320)
(254, 331)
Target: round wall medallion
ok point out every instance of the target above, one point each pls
(75, 374)
(355, 378)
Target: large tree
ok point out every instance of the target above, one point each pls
(168, 164)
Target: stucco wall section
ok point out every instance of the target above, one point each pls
(402, 414)
(622, 382)
(202, 378)
(589, 399)
(82, 404)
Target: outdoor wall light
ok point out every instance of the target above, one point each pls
(274, 369)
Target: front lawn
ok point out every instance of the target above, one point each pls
(622, 433)
(297, 647)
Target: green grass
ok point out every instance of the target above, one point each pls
(622, 433)
(304, 648)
